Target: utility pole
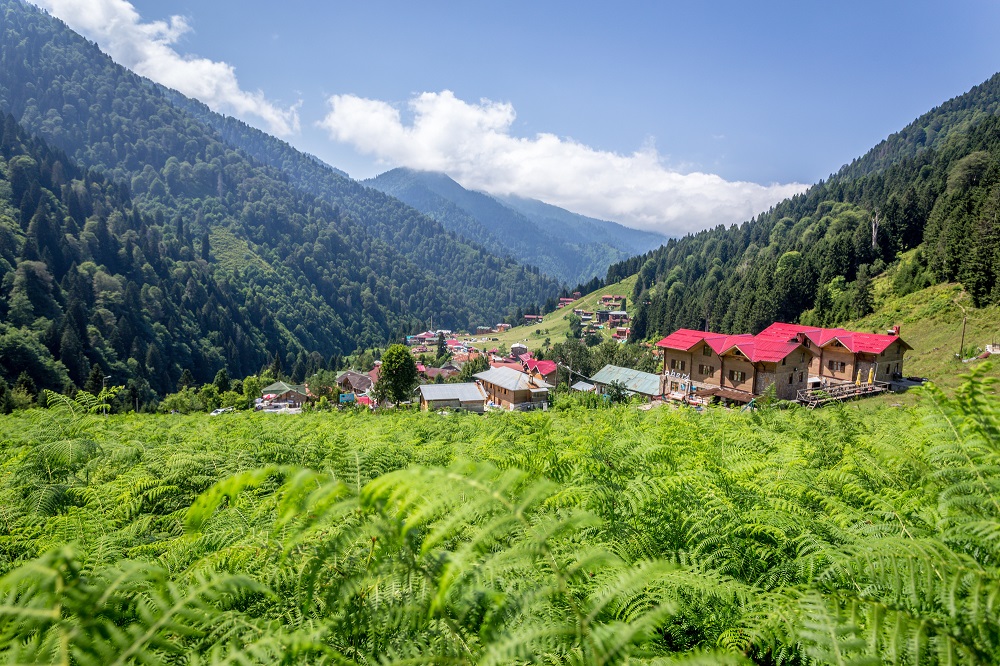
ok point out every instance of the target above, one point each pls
(961, 345)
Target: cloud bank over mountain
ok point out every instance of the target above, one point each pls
(473, 143)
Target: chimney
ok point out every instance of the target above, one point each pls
(894, 330)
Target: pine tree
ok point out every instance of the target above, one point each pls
(186, 381)
(221, 381)
(95, 381)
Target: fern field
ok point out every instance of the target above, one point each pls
(854, 535)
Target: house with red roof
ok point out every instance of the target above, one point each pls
(840, 355)
(546, 370)
(792, 357)
(733, 368)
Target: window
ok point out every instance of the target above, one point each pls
(682, 366)
(789, 379)
(706, 369)
(800, 377)
(836, 366)
(673, 364)
(737, 376)
(783, 360)
(706, 350)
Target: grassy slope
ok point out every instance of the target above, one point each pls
(931, 322)
(557, 324)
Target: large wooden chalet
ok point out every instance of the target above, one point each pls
(792, 357)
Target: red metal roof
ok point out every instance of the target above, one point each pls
(855, 342)
(544, 368)
(684, 339)
(766, 351)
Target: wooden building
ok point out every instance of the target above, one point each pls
(353, 382)
(289, 395)
(841, 356)
(511, 389)
(791, 357)
(467, 396)
(696, 363)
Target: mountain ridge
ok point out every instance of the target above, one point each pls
(570, 246)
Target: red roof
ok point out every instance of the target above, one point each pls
(364, 400)
(722, 343)
(683, 339)
(857, 343)
(421, 368)
(512, 366)
(524, 358)
(544, 368)
(779, 340)
(768, 351)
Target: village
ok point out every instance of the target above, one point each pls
(806, 365)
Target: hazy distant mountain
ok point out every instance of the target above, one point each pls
(559, 220)
(571, 247)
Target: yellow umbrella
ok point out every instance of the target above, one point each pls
(857, 381)
(871, 375)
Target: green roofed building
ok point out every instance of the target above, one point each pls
(635, 382)
(294, 395)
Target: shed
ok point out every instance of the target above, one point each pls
(468, 395)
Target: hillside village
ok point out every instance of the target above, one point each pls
(801, 364)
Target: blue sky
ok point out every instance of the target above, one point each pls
(672, 116)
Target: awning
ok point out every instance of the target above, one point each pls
(728, 394)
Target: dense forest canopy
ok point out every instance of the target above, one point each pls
(933, 187)
(161, 247)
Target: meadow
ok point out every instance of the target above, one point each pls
(859, 534)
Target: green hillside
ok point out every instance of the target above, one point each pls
(931, 322)
(820, 251)
(555, 325)
(162, 247)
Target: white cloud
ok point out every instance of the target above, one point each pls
(147, 49)
(473, 144)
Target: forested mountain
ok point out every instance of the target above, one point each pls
(422, 239)
(239, 263)
(572, 247)
(934, 186)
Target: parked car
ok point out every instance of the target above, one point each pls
(221, 410)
